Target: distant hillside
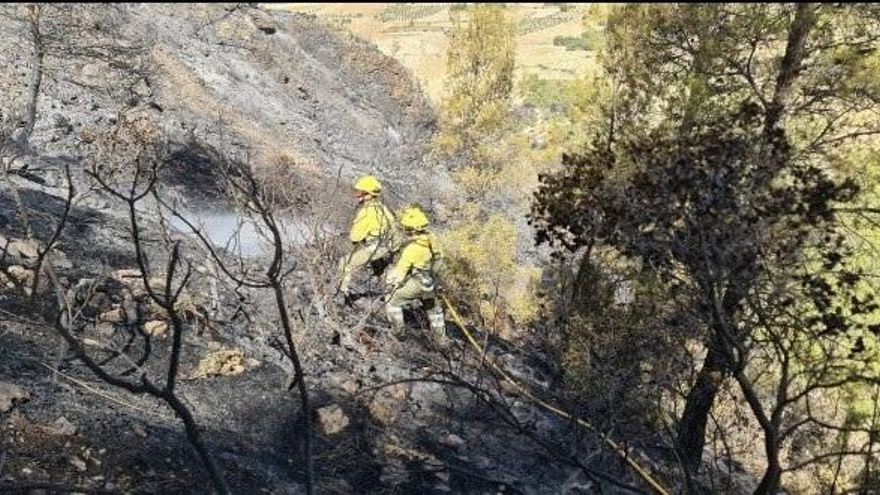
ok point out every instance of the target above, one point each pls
(553, 39)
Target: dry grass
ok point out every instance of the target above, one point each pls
(419, 41)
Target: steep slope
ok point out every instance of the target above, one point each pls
(282, 85)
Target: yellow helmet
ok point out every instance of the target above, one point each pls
(368, 184)
(414, 218)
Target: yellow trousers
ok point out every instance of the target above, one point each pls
(361, 256)
(414, 289)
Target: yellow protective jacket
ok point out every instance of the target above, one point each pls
(418, 256)
(372, 221)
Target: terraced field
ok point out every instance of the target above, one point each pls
(416, 34)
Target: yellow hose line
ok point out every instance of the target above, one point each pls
(643, 473)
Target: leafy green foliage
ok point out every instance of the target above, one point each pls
(724, 157)
(718, 168)
(480, 62)
(556, 95)
(589, 41)
(617, 344)
(703, 212)
(477, 139)
(709, 187)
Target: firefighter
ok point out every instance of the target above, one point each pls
(414, 277)
(373, 233)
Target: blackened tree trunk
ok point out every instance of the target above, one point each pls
(773, 473)
(692, 427)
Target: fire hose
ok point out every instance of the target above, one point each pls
(639, 470)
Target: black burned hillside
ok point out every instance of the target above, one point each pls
(137, 355)
(298, 95)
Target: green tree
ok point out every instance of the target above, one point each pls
(713, 171)
(476, 106)
(479, 141)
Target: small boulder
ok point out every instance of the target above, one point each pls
(78, 464)
(331, 419)
(452, 440)
(383, 412)
(62, 427)
(264, 22)
(156, 328)
(25, 248)
(158, 285)
(349, 386)
(142, 89)
(113, 316)
(385, 407)
(11, 393)
(22, 274)
(225, 362)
